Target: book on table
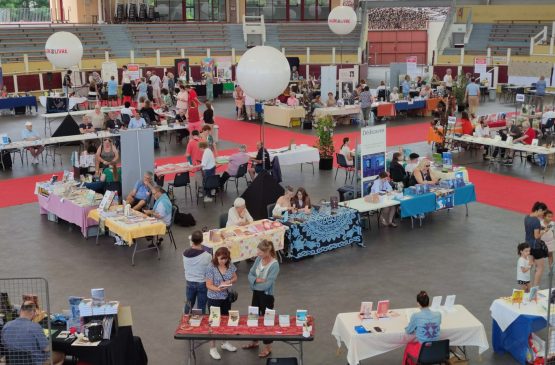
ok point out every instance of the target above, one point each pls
(215, 316)
(196, 317)
(436, 303)
(269, 317)
(233, 319)
(366, 310)
(284, 320)
(252, 316)
(382, 309)
(301, 317)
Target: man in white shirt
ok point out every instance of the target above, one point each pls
(238, 214)
(414, 158)
(127, 109)
(208, 165)
(97, 117)
(156, 87)
(448, 79)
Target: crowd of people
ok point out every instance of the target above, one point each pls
(401, 18)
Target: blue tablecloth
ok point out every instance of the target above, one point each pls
(405, 106)
(323, 231)
(10, 103)
(515, 338)
(426, 203)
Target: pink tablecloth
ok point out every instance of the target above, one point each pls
(67, 211)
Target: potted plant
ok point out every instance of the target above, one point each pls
(324, 132)
(459, 89)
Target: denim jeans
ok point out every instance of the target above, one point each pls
(208, 173)
(195, 292)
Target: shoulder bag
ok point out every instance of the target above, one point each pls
(232, 295)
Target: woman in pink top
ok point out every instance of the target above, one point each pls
(292, 100)
(182, 99)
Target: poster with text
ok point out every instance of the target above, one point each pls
(412, 69)
(480, 65)
(134, 71)
(372, 152)
(108, 70)
(223, 67)
(181, 69)
(328, 81)
(347, 82)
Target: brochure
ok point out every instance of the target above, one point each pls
(383, 308)
(196, 317)
(233, 320)
(533, 295)
(269, 317)
(284, 320)
(450, 303)
(301, 317)
(436, 303)
(518, 296)
(215, 316)
(252, 316)
(366, 310)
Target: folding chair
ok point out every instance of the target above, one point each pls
(431, 353)
(241, 173)
(181, 179)
(342, 164)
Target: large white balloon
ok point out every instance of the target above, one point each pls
(263, 72)
(63, 49)
(342, 20)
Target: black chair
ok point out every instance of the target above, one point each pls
(223, 220)
(241, 173)
(342, 164)
(431, 353)
(181, 179)
(210, 183)
(125, 119)
(169, 228)
(547, 128)
(270, 209)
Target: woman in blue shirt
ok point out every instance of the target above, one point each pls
(220, 275)
(262, 277)
(382, 186)
(533, 232)
(405, 87)
(424, 324)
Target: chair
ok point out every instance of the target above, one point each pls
(431, 353)
(241, 172)
(181, 179)
(211, 183)
(270, 209)
(547, 129)
(223, 220)
(308, 163)
(169, 228)
(52, 151)
(342, 164)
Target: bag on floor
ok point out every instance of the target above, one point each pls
(184, 219)
(6, 160)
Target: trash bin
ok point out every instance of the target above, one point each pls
(492, 94)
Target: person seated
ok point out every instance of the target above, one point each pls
(301, 201)
(113, 122)
(528, 135)
(238, 215)
(137, 121)
(317, 103)
(418, 81)
(441, 90)
(4, 92)
(284, 96)
(86, 126)
(110, 179)
(331, 100)
(139, 196)
(162, 210)
(382, 186)
(106, 154)
(97, 117)
(425, 92)
(482, 130)
(466, 124)
(261, 161)
(193, 117)
(546, 117)
(148, 112)
(414, 158)
(292, 100)
(346, 151)
(283, 204)
(422, 174)
(25, 336)
(235, 160)
(28, 134)
(396, 170)
(127, 109)
(424, 324)
(394, 96)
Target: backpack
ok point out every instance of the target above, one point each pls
(184, 219)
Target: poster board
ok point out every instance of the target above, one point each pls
(412, 69)
(208, 65)
(108, 70)
(526, 73)
(181, 69)
(480, 66)
(348, 79)
(372, 152)
(327, 79)
(223, 68)
(134, 71)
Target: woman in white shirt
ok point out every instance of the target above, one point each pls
(346, 151)
(238, 215)
(482, 130)
(208, 165)
(394, 96)
(283, 203)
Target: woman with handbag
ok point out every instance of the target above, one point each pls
(262, 278)
(533, 233)
(220, 275)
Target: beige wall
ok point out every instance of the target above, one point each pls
(495, 13)
(80, 11)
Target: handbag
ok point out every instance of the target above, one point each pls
(232, 295)
(540, 245)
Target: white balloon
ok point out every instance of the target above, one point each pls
(342, 20)
(263, 72)
(63, 49)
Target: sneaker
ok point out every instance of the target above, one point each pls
(229, 347)
(215, 354)
(207, 199)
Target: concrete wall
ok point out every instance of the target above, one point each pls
(434, 28)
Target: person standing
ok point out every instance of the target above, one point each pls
(142, 89)
(239, 97)
(541, 84)
(365, 104)
(195, 264)
(533, 232)
(220, 275)
(250, 104)
(208, 165)
(112, 91)
(209, 86)
(156, 87)
(67, 83)
(448, 80)
(549, 235)
(405, 87)
(472, 96)
(262, 278)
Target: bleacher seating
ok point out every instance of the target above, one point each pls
(296, 37)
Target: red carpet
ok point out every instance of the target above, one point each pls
(510, 193)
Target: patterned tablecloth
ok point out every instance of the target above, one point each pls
(322, 231)
(243, 241)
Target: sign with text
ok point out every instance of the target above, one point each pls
(520, 98)
(372, 152)
(133, 71)
(412, 70)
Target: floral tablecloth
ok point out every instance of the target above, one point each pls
(243, 245)
(323, 231)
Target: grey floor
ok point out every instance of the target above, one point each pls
(473, 257)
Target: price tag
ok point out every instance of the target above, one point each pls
(520, 98)
(452, 120)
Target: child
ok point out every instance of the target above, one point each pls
(523, 267)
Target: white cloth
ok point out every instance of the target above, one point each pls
(522, 263)
(249, 100)
(482, 131)
(505, 313)
(233, 218)
(460, 327)
(278, 210)
(127, 111)
(346, 151)
(97, 120)
(549, 238)
(547, 115)
(208, 161)
(300, 154)
(410, 167)
(165, 216)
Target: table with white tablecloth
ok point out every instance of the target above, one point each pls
(295, 155)
(336, 111)
(459, 326)
(282, 114)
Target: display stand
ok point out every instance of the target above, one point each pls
(137, 156)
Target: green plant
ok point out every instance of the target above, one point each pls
(459, 89)
(324, 132)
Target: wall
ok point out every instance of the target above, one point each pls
(495, 13)
(388, 46)
(434, 29)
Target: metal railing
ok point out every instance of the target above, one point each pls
(446, 29)
(469, 26)
(31, 15)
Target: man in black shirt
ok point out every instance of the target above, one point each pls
(261, 161)
(113, 122)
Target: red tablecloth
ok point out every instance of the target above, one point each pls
(386, 110)
(497, 124)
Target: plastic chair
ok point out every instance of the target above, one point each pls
(431, 353)
(241, 173)
(342, 164)
(223, 220)
(181, 179)
(211, 183)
